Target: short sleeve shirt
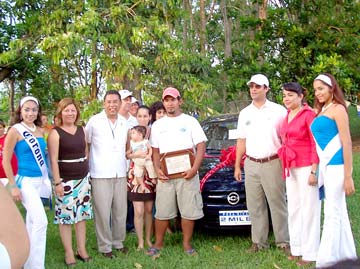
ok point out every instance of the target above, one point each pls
(176, 133)
(107, 146)
(260, 128)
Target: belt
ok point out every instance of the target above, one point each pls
(263, 160)
(82, 159)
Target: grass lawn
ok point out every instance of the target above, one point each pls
(215, 250)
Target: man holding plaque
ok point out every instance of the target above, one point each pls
(178, 143)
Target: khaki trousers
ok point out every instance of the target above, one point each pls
(109, 197)
(263, 183)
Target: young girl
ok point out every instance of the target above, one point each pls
(139, 143)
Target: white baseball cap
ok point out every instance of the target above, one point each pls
(125, 93)
(259, 79)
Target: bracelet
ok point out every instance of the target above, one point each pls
(57, 184)
(313, 173)
(11, 186)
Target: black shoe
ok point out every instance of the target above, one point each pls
(84, 259)
(108, 255)
(123, 250)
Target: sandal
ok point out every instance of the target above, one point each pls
(304, 263)
(191, 252)
(293, 258)
(153, 252)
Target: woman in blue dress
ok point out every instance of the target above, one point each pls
(332, 135)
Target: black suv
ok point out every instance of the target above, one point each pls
(223, 197)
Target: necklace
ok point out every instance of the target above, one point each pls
(32, 129)
(326, 106)
(113, 127)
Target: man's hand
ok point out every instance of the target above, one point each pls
(237, 174)
(189, 174)
(162, 177)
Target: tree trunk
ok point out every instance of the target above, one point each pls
(202, 32)
(11, 100)
(262, 10)
(227, 30)
(5, 73)
(227, 51)
(94, 79)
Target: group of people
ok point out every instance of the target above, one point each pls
(294, 158)
(311, 150)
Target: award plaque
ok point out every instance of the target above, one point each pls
(174, 163)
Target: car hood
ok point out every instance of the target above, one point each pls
(222, 179)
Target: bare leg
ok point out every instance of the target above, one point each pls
(148, 221)
(80, 232)
(187, 229)
(140, 181)
(160, 229)
(66, 239)
(139, 222)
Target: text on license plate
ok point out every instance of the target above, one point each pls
(234, 217)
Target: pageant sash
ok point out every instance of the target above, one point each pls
(34, 145)
(325, 157)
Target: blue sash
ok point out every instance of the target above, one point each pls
(34, 145)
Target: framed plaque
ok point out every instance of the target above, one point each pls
(174, 163)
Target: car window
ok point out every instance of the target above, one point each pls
(220, 134)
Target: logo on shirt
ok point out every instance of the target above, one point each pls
(182, 130)
(248, 122)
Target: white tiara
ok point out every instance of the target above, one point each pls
(28, 98)
(324, 78)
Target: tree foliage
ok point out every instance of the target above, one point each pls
(208, 49)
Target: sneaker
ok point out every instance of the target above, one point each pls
(108, 255)
(254, 248)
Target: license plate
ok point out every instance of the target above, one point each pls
(234, 217)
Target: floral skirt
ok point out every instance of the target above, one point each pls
(75, 205)
(134, 192)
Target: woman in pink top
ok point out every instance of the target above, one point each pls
(300, 161)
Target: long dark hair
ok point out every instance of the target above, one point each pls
(335, 90)
(18, 117)
(154, 108)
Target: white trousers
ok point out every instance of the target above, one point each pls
(337, 242)
(36, 221)
(304, 209)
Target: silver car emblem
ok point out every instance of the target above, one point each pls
(233, 198)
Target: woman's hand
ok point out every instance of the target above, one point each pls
(312, 181)
(349, 187)
(59, 190)
(139, 154)
(15, 193)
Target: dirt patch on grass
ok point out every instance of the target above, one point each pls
(356, 144)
